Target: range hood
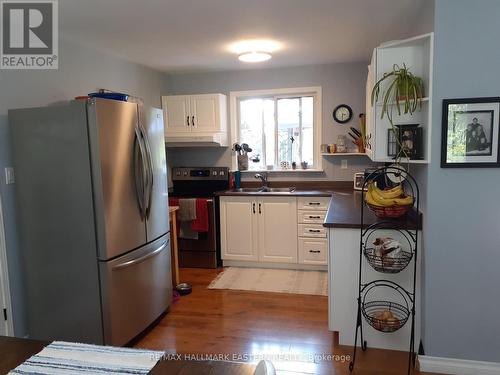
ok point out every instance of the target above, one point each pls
(209, 140)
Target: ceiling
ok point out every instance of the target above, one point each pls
(194, 35)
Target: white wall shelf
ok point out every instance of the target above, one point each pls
(417, 54)
(344, 154)
(424, 100)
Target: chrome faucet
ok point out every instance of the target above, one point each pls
(263, 178)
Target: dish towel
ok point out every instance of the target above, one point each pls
(200, 224)
(187, 213)
(187, 209)
(64, 358)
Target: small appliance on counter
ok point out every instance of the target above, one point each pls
(359, 178)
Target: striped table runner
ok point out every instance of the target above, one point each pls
(72, 358)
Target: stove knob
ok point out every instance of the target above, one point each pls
(178, 173)
(214, 173)
(185, 173)
(221, 173)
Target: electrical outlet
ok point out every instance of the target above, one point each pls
(9, 176)
(343, 164)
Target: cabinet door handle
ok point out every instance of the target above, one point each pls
(192, 120)
(253, 207)
(315, 251)
(260, 208)
(314, 217)
(314, 231)
(187, 120)
(314, 203)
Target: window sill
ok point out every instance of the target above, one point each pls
(291, 171)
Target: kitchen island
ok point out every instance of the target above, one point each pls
(337, 210)
(343, 220)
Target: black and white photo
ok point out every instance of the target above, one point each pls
(471, 133)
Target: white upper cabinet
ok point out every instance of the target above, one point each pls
(417, 55)
(195, 119)
(178, 115)
(205, 113)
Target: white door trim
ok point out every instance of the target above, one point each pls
(4, 280)
(457, 366)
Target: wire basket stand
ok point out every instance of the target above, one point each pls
(388, 316)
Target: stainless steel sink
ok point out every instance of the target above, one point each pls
(264, 190)
(277, 190)
(247, 190)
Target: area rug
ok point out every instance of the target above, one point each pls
(72, 358)
(272, 280)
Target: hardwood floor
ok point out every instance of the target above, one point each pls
(243, 326)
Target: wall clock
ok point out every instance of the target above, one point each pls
(342, 113)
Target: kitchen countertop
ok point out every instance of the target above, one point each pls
(344, 210)
(297, 193)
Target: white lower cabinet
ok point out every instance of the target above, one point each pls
(282, 230)
(239, 228)
(277, 229)
(313, 251)
(259, 229)
(313, 237)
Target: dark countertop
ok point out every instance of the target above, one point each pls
(345, 212)
(295, 193)
(15, 351)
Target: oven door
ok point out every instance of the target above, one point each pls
(201, 253)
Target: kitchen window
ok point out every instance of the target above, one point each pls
(280, 126)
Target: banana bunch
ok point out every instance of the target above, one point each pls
(387, 198)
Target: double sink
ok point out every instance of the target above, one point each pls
(264, 189)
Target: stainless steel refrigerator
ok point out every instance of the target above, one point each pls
(91, 187)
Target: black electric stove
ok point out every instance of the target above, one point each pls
(203, 252)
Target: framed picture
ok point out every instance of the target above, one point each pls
(410, 141)
(406, 143)
(470, 133)
(392, 143)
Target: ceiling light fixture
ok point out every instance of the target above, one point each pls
(255, 50)
(254, 56)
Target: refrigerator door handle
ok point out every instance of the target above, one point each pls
(149, 169)
(139, 176)
(143, 258)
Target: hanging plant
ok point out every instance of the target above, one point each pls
(403, 93)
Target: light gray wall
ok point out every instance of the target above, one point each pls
(341, 83)
(81, 70)
(462, 259)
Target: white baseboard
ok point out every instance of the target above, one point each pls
(457, 366)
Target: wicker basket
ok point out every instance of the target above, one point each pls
(389, 212)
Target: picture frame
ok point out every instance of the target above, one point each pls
(410, 139)
(471, 133)
(408, 136)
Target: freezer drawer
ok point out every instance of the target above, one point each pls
(136, 289)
